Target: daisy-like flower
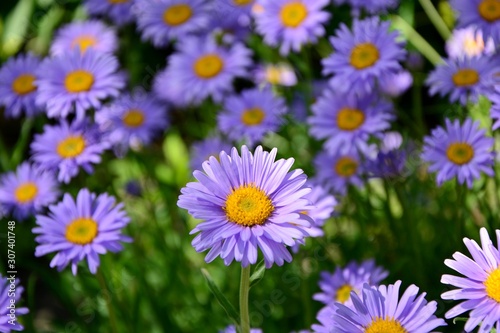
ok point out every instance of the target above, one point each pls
(291, 23)
(395, 84)
(203, 69)
(231, 18)
(82, 36)
(203, 150)
(337, 286)
(464, 79)
(132, 120)
(10, 295)
(347, 120)
(18, 88)
(391, 157)
(162, 21)
(469, 42)
(27, 190)
(77, 81)
(119, 11)
(251, 115)
(461, 151)
(367, 53)
(247, 203)
(232, 329)
(380, 310)
(480, 286)
(281, 74)
(81, 229)
(485, 14)
(336, 172)
(66, 147)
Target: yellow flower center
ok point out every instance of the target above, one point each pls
(492, 285)
(208, 66)
(473, 45)
(24, 84)
(78, 81)
(346, 167)
(72, 146)
(248, 205)
(81, 231)
(465, 77)
(460, 153)
(273, 75)
(253, 116)
(350, 119)
(343, 293)
(489, 10)
(83, 42)
(26, 192)
(364, 55)
(117, 2)
(177, 14)
(387, 325)
(292, 14)
(242, 2)
(133, 118)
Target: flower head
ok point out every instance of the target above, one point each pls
(201, 151)
(281, 74)
(247, 202)
(464, 79)
(251, 115)
(82, 36)
(479, 288)
(18, 88)
(7, 299)
(395, 84)
(77, 81)
(27, 190)
(232, 19)
(484, 14)
(291, 23)
(347, 120)
(132, 120)
(119, 11)
(461, 151)
(202, 69)
(66, 147)
(391, 157)
(162, 21)
(380, 310)
(469, 42)
(367, 53)
(337, 287)
(81, 229)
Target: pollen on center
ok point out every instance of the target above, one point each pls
(248, 205)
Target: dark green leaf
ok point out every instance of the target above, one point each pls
(258, 273)
(223, 301)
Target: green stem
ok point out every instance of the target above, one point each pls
(435, 18)
(244, 289)
(417, 40)
(105, 291)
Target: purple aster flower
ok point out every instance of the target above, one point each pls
(275, 74)
(119, 11)
(81, 229)
(337, 286)
(479, 288)
(203, 150)
(132, 120)
(232, 19)
(468, 43)
(27, 190)
(485, 14)
(381, 310)
(367, 53)
(461, 151)
(84, 35)
(395, 84)
(17, 86)
(291, 23)
(251, 115)
(325, 318)
(232, 329)
(372, 7)
(77, 81)
(9, 304)
(247, 203)
(347, 120)
(201, 69)
(336, 172)
(464, 79)
(67, 147)
(391, 157)
(162, 21)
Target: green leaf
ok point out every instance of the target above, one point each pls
(177, 156)
(223, 301)
(16, 27)
(258, 273)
